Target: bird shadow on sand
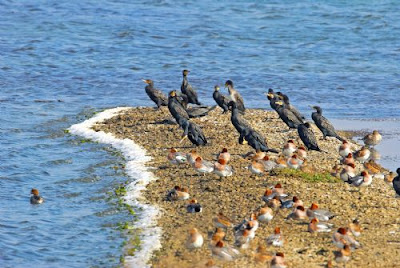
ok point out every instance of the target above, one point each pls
(167, 121)
(205, 180)
(186, 147)
(301, 223)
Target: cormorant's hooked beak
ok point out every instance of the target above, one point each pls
(184, 137)
(144, 80)
(269, 95)
(312, 107)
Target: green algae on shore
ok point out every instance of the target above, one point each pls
(307, 176)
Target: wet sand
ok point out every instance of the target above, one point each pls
(239, 195)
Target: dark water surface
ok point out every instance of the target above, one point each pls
(60, 61)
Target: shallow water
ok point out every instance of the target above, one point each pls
(388, 148)
(60, 61)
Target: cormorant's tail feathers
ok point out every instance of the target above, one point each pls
(273, 151)
(322, 151)
(339, 138)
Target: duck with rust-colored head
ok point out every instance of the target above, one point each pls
(275, 239)
(318, 227)
(35, 197)
(194, 239)
(222, 169)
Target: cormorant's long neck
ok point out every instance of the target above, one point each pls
(185, 81)
(230, 89)
(173, 100)
(234, 111)
(177, 101)
(184, 101)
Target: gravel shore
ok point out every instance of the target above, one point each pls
(237, 196)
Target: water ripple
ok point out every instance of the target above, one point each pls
(63, 60)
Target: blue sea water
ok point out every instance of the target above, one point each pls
(62, 60)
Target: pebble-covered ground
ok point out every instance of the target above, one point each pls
(239, 195)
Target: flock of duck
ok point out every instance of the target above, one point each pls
(275, 198)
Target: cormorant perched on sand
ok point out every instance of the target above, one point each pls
(155, 95)
(193, 132)
(287, 115)
(293, 109)
(237, 121)
(176, 108)
(307, 136)
(177, 105)
(396, 182)
(220, 99)
(323, 124)
(235, 96)
(182, 99)
(193, 112)
(199, 111)
(255, 140)
(187, 89)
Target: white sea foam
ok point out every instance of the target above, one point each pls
(135, 167)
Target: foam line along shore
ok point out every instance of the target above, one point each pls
(136, 158)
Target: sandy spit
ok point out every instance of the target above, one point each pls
(239, 195)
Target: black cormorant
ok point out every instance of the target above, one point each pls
(307, 136)
(182, 99)
(193, 132)
(193, 112)
(221, 99)
(155, 94)
(176, 108)
(323, 124)
(273, 98)
(235, 96)
(255, 140)
(287, 115)
(199, 111)
(396, 182)
(293, 109)
(187, 89)
(237, 121)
